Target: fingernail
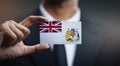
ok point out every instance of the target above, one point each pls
(45, 45)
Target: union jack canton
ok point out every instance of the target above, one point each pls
(50, 27)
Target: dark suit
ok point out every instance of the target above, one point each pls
(94, 51)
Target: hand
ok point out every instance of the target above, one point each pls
(12, 35)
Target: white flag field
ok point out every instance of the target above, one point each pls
(61, 32)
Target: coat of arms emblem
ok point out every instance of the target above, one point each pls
(72, 35)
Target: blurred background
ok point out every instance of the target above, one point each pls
(15, 9)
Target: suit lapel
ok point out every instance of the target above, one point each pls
(92, 40)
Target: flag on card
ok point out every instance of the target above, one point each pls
(51, 27)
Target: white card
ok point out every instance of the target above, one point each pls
(56, 32)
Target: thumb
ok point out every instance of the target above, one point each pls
(33, 19)
(35, 48)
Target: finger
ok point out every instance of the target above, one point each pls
(35, 48)
(9, 36)
(17, 31)
(24, 30)
(33, 19)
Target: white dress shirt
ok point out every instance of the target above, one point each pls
(69, 48)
